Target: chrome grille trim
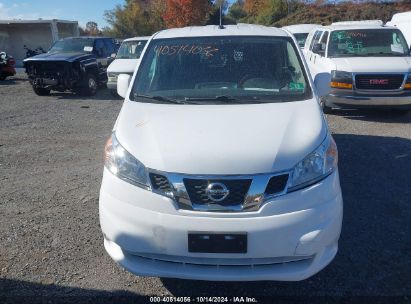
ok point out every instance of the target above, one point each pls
(254, 199)
(380, 92)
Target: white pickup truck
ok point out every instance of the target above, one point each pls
(357, 64)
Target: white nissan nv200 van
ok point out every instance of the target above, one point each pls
(221, 165)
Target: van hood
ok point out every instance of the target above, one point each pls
(123, 66)
(221, 139)
(373, 64)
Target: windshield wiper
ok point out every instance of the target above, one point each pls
(381, 54)
(219, 98)
(160, 98)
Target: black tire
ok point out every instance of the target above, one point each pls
(115, 94)
(2, 78)
(90, 85)
(41, 91)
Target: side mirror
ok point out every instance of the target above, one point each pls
(123, 82)
(318, 49)
(113, 55)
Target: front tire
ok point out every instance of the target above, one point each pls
(115, 94)
(90, 85)
(41, 91)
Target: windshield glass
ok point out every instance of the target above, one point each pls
(131, 49)
(72, 45)
(367, 42)
(301, 38)
(222, 69)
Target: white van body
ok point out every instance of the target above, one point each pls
(125, 63)
(301, 31)
(374, 75)
(238, 185)
(403, 22)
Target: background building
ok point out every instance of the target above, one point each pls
(14, 34)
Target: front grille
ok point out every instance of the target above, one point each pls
(52, 70)
(238, 188)
(276, 184)
(160, 182)
(379, 81)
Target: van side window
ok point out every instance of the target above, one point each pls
(100, 48)
(324, 41)
(110, 47)
(316, 39)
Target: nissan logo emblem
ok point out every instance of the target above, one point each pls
(217, 192)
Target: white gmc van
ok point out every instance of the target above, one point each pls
(220, 165)
(126, 60)
(360, 64)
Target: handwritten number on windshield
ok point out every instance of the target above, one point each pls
(186, 49)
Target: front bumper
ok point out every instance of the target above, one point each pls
(112, 83)
(7, 71)
(351, 99)
(290, 238)
(58, 84)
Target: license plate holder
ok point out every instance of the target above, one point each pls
(211, 242)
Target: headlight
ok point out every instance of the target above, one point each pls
(316, 166)
(341, 80)
(112, 75)
(124, 165)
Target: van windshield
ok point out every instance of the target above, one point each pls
(131, 49)
(220, 70)
(367, 42)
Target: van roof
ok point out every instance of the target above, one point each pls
(228, 30)
(354, 27)
(138, 38)
(359, 22)
(301, 28)
(402, 17)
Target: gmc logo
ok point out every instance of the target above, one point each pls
(379, 81)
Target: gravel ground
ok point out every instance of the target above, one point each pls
(50, 172)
